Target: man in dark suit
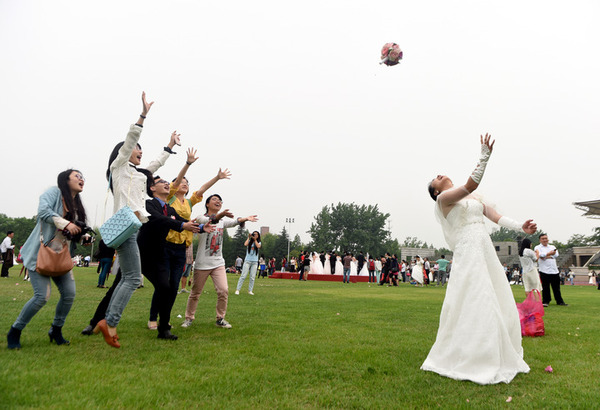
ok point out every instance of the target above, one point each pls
(151, 241)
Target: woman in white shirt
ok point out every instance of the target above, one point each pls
(528, 258)
(129, 187)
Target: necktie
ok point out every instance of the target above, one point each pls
(165, 209)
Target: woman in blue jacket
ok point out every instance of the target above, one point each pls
(60, 207)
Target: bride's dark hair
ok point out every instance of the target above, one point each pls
(525, 244)
(432, 192)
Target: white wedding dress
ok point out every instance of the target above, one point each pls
(327, 267)
(417, 272)
(339, 266)
(479, 335)
(316, 267)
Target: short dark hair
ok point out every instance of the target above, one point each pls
(432, 191)
(542, 234)
(9, 232)
(443, 256)
(208, 200)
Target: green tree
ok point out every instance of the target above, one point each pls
(350, 227)
(413, 242)
(268, 242)
(507, 235)
(21, 226)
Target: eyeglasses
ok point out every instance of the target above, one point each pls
(80, 177)
(161, 181)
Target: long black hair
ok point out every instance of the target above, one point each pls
(252, 242)
(525, 244)
(75, 210)
(111, 159)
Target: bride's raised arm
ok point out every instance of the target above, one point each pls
(451, 196)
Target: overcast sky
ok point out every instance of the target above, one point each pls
(290, 97)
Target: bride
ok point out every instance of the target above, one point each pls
(479, 335)
(417, 271)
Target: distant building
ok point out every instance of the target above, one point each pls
(264, 230)
(508, 252)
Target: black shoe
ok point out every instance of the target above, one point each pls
(55, 333)
(88, 331)
(167, 335)
(14, 338)
(563, 304)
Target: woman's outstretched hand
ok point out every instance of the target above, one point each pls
(191, 156)
(145, 105)
(174, 140)
(529, 226)
(485, 142)
(226, 174)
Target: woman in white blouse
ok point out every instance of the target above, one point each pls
(528, 258)
(129, 187)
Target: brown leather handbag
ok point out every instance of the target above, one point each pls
(52, 262)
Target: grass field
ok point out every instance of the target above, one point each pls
(293, 345)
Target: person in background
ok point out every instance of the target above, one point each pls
(253, 245)
(7, 249)
(549, 271)
(105, 257)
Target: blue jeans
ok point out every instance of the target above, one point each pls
(41, 294)
(346, 275)
(248, 266)
(131, 277)
(105, 264)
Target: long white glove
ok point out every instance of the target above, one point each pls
(510, 224)
(480, 168)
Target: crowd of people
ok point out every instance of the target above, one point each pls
(159, 250)
(479, 335)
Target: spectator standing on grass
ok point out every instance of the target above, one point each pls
(371, 268)
(528, 259)
(253, 245)
(7, 249)
(549, 271)
(105, 257)
(238, 264)
(378, 267)
(442, 270)
(346, 261)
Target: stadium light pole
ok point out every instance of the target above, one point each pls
(289, 221)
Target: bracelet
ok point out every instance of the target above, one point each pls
(142, 116)
(169, 150)
(188, 162)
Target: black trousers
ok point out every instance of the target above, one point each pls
(7, 263)
(103, 306)
(550, 280)
(158, 273)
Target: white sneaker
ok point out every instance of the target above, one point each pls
(223, 323)
(185, 291)
(179, 291)
(237, 292)
(187, 323)
(251, 293)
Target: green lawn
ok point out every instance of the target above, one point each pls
(295, 344)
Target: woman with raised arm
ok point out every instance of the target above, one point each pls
(59, 208)
(479, 336)
(177, 242)
(210, 261)
(129, 187)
